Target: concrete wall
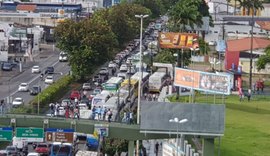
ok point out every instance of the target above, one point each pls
(245, 63)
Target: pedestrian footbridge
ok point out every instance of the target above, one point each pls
(205, 121)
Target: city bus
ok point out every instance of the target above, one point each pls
(145, 78)
(101, 98)
(113, 84)
(156, 81)
(58, 148)
(133, 88)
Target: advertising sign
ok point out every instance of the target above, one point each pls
(102, 129)
(59, 135)
(30, 134)
(203, 81)
(6, 134)
(177, 40)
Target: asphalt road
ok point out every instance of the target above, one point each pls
(10, 81)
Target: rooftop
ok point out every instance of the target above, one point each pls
(244, 44)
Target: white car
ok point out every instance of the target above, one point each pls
(112, 65)
(86, 86)
(123, 68)
(83, 106)
(33, 154)
(103, 71)
(63, 57)
(23, 87)
(122, 75)
(212, 43)
(17, 102)
(35, 69)
(49, 79)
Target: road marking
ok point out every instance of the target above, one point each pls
(31, 80)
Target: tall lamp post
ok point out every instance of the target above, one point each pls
(177, 121)
(251, 48)
(140, 79)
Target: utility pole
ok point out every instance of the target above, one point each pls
(177, 65)
(251, 47)
(129, 83)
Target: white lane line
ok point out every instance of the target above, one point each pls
(30, 81)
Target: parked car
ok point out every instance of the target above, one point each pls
(212, 43)
(23, 87)
(42, 148)
(49, 79)
(75, 94)
(7, 66)
(86, 86)
(35, 69)
(63, 57)
(35, 90)
(17, 102)
(104, 71)
(12, 151)
(49, 70)
(123, 68)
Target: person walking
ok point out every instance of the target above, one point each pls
(249, 94)
(109, 115)
(52, 107)
(240, 94)
(66, 112)
(156, 148)
(130, 118)
(93, 113)
(105, 113)
(98, 111)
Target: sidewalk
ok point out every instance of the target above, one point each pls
(150, 147)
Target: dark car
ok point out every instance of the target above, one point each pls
(35, 90)
(49, 70)
(7, 66)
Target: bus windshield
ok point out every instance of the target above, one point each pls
(62, 150)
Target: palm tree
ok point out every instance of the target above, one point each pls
(185, 13)
(248, 5)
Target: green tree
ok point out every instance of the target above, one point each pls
(185, 13)
(156, 6)
(122, 21)
(165, 56)
(88, 43)
(264, 59)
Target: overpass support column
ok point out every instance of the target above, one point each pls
(208, 147)
(130, 148)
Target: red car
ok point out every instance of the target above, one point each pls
(75, 94)
(42, 148)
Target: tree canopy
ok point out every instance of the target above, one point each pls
(264, 59)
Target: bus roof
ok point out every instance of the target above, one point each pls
(114, 80)
(132, 82)
(101, 96)
(157, 74)
(138, 75)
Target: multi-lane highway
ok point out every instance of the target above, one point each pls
(9, 87)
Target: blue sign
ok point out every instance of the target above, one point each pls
(221, 46)
(59, 130)
(6, 128)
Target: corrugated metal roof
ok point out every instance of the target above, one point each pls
(244, 44)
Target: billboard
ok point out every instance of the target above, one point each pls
(177, 40)
(203, 81)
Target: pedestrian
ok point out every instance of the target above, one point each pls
(76, 101)
(127, 118)
(93, 113)
(105, 113)
(66, 112)
(145, 96)
(156, 148)
(249, 94)
(109, 115)
(124, 117)
(240, 94)
(76, 113)
(52, 109)
(98, 111)
(130, 118)
(56, 112)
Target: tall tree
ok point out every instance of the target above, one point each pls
(248, 5)
(264, 59)
(156, 6)
(185, 13)
(88, 43)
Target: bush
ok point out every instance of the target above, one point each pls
(52, 93)
(22, 110)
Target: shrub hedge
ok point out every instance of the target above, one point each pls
(52, 93)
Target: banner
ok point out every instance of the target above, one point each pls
(203, 81)
(177, 40)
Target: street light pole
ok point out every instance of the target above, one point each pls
(176, 120)
(140, 79)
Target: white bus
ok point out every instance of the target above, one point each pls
(113, 84)
(156, 81)
(100, 98)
